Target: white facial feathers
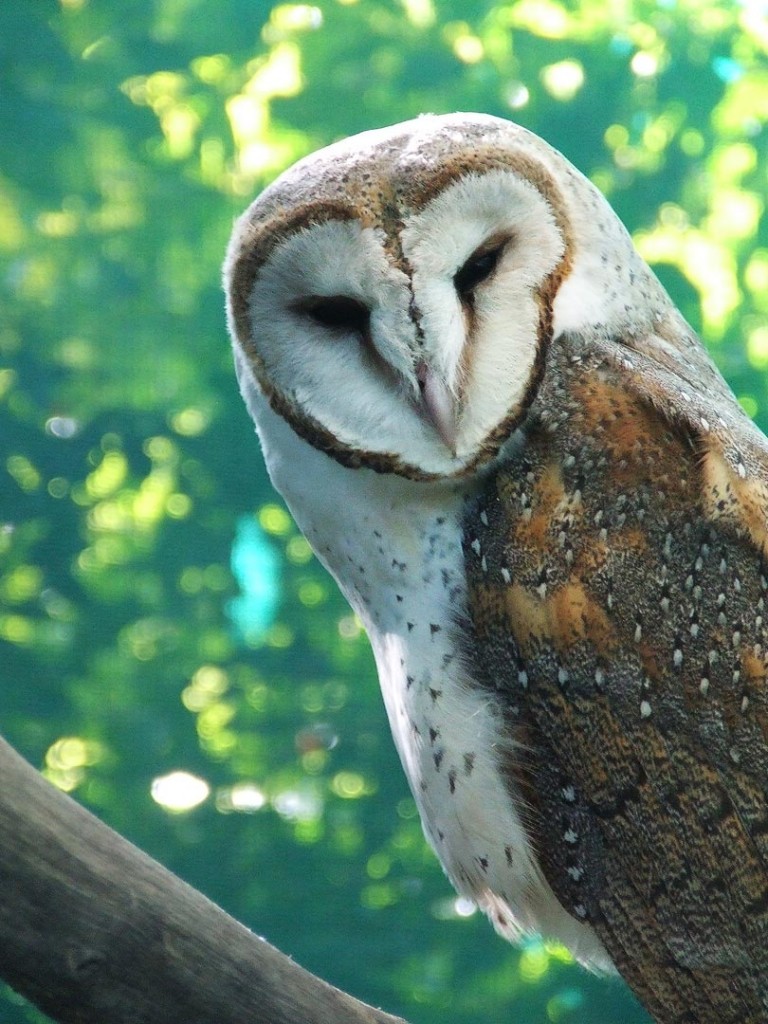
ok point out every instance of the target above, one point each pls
(433, 366)
(486, 354)
(328, 371)
(452, 251)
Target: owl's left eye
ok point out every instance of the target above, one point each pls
(480, 265)
(338, 312)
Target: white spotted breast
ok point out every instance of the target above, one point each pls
(394, 547)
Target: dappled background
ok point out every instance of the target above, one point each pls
(170, 651)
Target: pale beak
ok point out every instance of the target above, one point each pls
(439, 405)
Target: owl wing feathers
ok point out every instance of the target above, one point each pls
(617, 582)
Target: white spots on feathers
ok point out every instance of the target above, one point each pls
(449, 734)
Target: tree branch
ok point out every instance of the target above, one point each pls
(94, 930)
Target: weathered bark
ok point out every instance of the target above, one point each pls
(94, 931)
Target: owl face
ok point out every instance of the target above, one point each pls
(394, 295)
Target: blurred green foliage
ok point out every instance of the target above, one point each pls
(170, 650)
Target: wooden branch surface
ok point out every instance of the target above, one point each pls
(94, 931)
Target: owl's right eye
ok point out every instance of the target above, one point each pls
(338, 312)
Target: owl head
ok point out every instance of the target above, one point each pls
(394, 296)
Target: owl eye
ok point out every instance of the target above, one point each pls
(478, 267)
(338, 312)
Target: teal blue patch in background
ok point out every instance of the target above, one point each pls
(256, 567)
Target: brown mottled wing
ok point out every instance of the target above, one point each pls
(617, 591)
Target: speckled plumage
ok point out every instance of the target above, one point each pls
(623, 621)
(550, 513)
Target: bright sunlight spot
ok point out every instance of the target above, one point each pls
(179, 791)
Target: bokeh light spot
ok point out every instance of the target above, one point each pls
(179, 791)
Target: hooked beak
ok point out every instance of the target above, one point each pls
(439, 405)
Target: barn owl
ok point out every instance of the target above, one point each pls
(549, 512)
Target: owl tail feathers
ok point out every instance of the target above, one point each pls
(559, 933)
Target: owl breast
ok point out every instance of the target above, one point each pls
(395, 549)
